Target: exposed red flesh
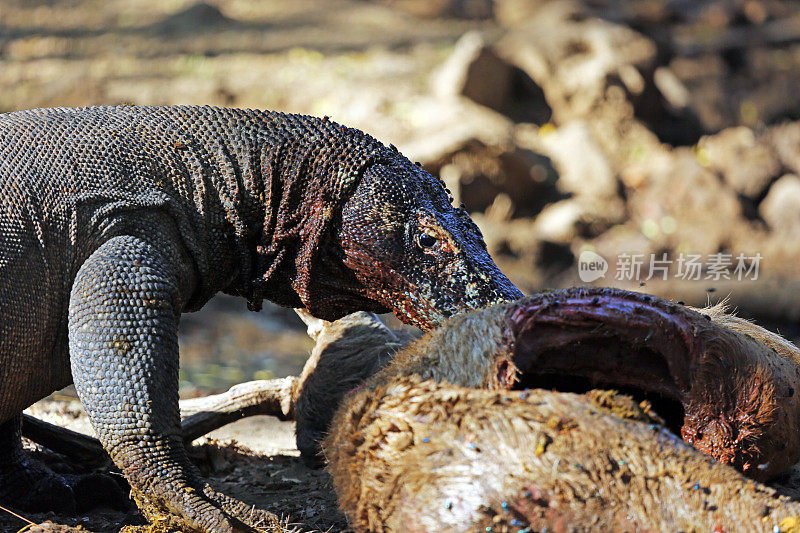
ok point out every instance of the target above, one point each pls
(737, 393)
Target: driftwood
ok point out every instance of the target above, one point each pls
(263, 397)
(201, 415)
(425, 446)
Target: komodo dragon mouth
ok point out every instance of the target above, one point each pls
(723, 384)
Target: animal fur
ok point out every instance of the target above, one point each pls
(437, 440)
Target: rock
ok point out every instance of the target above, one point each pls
(704, 78)
(575, 59)
(638, 14)
(779, 255)
(516, 237)
(585, 174)
(785, 140)
(578, 218)
(450, 125)
(502, 208)
(615, 243)
(478, 173)
(775, 94)
(683, 206)
(781, 207)
(558, 221)
(671, 88)
(731, 87)
(196, 17)
(513, 13)
(529, 179)
(475, 71)
(582, 166)
(464, 9)
(746, 163)
(664, 106)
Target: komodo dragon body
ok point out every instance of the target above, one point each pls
(115, 220)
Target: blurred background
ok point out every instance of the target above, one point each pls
(577, 133)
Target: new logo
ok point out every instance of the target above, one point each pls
(591, 266)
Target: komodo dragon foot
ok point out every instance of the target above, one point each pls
(28, 484)
(236, 515)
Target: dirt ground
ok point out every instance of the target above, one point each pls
(254, 460)
(666, 128)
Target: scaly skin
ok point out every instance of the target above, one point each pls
(115, 220)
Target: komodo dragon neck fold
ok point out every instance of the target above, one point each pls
(308, 168)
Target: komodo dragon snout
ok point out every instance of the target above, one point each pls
(412, 251)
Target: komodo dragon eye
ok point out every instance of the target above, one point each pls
(426, 241)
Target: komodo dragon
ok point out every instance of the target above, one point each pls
(115, 220)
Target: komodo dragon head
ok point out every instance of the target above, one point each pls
(353, 225)
(414, 253)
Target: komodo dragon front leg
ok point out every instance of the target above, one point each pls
(123, 339)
